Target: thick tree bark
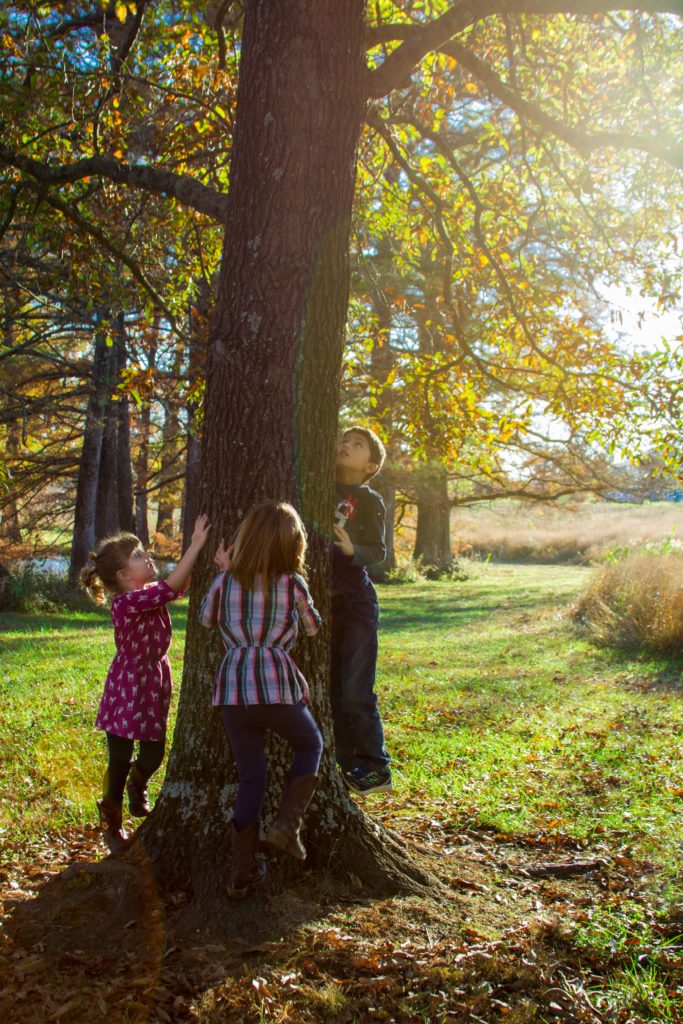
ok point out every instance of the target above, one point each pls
(89, 466)
(433, 536)
(273, 374)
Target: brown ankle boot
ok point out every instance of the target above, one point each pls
(245, 871)
(111, 823)
(284, 832)
(137, 793)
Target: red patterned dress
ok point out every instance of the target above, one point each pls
(137, 691)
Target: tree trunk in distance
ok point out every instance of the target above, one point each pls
(89, 466)
(200, 315)
(433, 535)
(10, 529)
(142, 455)
(125, 467)
(273, 375)
(385, 485)
(168, 491)
(107, 501)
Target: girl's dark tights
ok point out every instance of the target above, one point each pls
(149, 758)
(246, 728)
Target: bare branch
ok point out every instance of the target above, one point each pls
(581, 140)
(69, 211)
(419, 40)
(182, 187)
(399, 65)
(9, 217)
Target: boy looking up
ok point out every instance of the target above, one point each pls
(359, 542)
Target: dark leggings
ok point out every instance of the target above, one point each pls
(246, 729)
(121, 759)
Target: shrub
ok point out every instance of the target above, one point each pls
(32, 589)
(411, 570)
(636, 602)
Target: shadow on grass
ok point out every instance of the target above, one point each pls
(32, 623)
(38, 622)
(455, 608)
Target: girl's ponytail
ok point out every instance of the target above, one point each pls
(90, 581)
(99, 577)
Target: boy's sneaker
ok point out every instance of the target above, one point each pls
(372, 780)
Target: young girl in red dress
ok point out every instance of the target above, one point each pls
(137, 690)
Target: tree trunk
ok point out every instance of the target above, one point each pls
(170, 467)
(89, 466)
(433, 536)
(273, 372)
(142, 476)
(382, 363)
(125, 467)
(107, 501)
(142, 455)
(200, 314)
(385, 485)
(10, 529)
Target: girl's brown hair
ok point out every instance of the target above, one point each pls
(270, 541)
(110, 556)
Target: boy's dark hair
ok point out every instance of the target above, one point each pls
(377, 450)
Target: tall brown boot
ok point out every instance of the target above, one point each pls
(245, 871)
(111, 821)
(136, 788)
(284, 832)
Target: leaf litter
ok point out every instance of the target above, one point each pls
(504, 947)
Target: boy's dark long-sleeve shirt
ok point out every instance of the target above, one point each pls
(360, 511)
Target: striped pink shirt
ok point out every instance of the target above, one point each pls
(258, 627)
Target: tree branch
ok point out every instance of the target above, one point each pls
(419, 40)
(70, 212)
(182, 187)
(9, 217)
(581, 140)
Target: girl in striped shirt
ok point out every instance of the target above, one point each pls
(258, 602)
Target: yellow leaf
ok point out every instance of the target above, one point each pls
(483, 260)
(121, 12)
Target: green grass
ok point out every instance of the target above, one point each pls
(494, 703)
(497, 714)
(52, 670)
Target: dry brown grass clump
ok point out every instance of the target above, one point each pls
(637, 602)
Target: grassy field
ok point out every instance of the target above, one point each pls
(570, 531)
(501, 719)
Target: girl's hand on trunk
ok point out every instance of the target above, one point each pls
(223, 556)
